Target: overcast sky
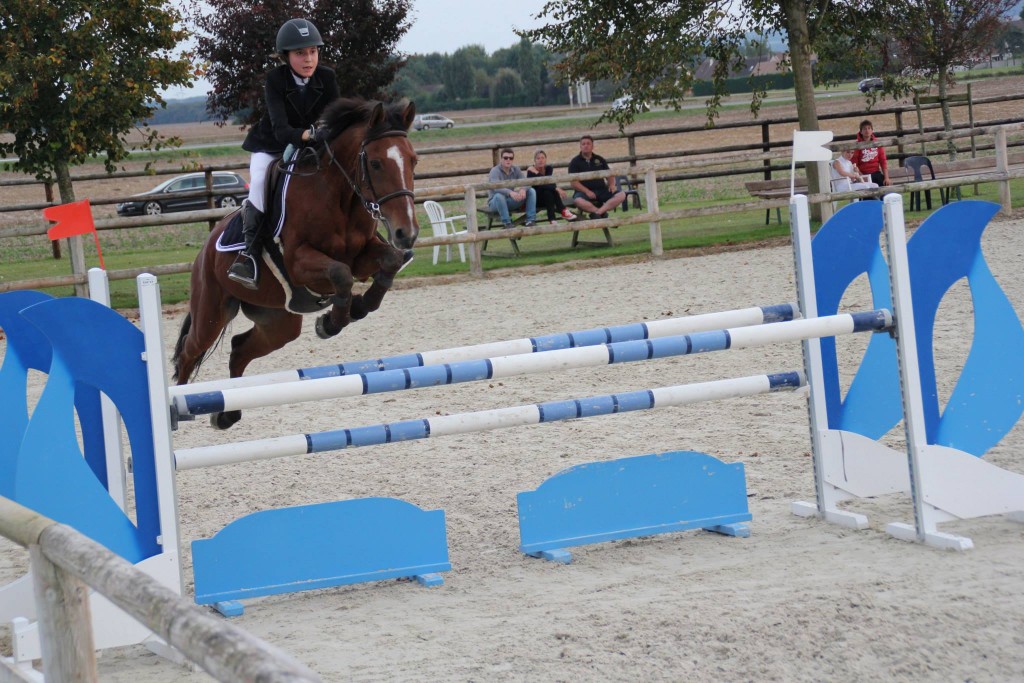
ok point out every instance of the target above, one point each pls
(447, 25)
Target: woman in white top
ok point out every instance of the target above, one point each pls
(846, 177)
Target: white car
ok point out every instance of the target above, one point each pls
(428, 121)
(624, 102)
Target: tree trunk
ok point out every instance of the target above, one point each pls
(75, 250)
(795, 13)
(947, 118)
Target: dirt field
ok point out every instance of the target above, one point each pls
(797, 601)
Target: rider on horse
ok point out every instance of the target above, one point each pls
(296, 93)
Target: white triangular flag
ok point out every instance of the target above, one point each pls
(807, 145)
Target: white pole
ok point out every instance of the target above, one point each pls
(652, 329)
(926, 517)
(99, 291)
(301, 444)
(546, 362)
(150, 319)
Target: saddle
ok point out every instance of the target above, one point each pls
(297, 299)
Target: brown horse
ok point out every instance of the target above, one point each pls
(364, 176)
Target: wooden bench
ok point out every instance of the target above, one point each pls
(493, 217)
(899, 176)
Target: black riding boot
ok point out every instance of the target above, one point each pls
(244, 270)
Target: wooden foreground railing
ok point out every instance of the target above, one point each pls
(65, 564)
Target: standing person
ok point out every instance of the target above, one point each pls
(507, 199)
(295, 95)
(596, 196)
(871, 160)
(548, 196)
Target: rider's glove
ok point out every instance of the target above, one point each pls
(316, 135)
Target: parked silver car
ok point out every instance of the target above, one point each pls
(428, 121)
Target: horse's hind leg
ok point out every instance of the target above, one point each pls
(200, 331)
(272, 329)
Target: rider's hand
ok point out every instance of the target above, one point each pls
(314, 136)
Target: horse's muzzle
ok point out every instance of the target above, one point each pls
(404, 237)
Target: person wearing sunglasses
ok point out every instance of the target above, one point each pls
(504, 200)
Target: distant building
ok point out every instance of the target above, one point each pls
(766, 65)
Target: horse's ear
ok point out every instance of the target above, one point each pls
(377, 115)
(409, 114)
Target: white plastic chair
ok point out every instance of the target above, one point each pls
(444, 226)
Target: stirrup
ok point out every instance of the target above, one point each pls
(244, 271)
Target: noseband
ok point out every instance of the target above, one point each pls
(372, 207)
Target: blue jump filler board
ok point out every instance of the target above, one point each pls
(319, 546)
(629, 497)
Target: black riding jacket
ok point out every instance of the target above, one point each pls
(290, 109)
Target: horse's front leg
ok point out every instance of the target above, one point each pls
(381, 261)
(309, 268)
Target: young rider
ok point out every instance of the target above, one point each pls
(295, 94)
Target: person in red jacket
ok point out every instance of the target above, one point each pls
(871, 160)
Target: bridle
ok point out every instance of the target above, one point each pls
(372, 207)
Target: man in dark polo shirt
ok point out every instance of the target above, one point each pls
(596, 196)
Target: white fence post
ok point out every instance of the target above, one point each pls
(651, 190)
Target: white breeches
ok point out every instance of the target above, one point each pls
(258, 165)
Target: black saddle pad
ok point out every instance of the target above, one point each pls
(231, 238)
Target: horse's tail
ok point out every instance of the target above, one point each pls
(186, 325)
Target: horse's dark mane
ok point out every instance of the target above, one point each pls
(346, 112)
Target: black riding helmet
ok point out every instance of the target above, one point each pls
(296, 34)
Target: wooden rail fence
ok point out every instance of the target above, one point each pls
(64, 562)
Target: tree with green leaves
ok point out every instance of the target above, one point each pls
(237, 37)
(529, 72)
(77, 75)
(459, 81)
(651, 47)
(938, 36)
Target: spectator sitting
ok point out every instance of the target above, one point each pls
(548, 196)
(846, 176)
(596, 196)
(871, 160)
(507, 199)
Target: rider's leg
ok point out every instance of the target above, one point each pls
(245, 268)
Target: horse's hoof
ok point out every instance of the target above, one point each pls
(321, 328)
(226, 419)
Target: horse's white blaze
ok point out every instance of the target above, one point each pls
(395, 155)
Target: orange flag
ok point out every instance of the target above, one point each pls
(70, 220)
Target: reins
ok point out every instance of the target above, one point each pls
(372, 207)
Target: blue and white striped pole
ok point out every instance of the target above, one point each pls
(545, 362)
(464, 423)
(654, 329)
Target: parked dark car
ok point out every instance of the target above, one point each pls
(869, 84)
(166, 197)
